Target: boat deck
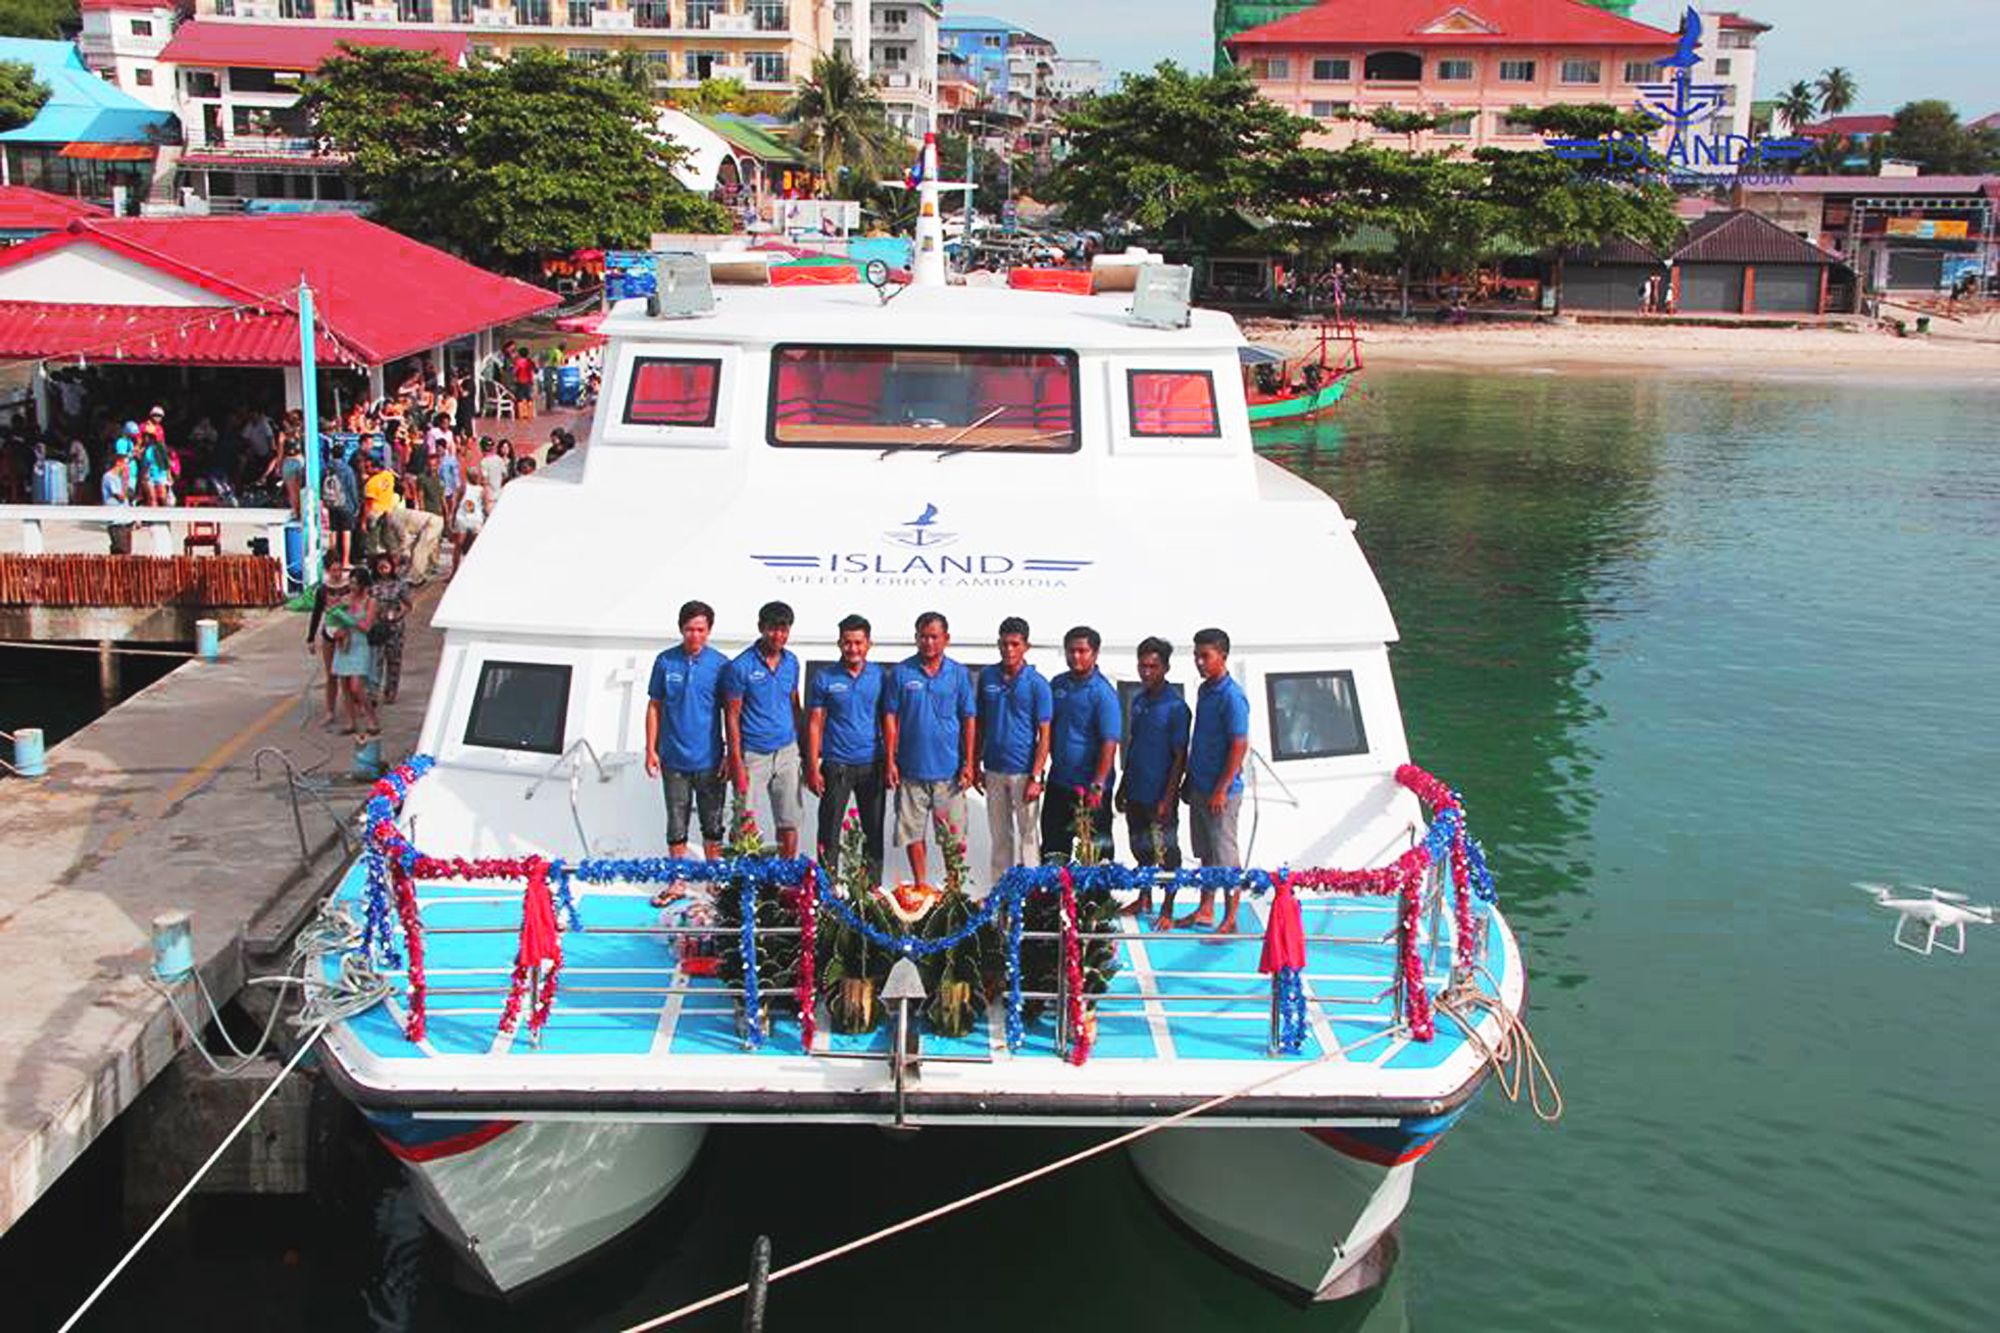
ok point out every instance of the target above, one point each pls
(1186, 1016)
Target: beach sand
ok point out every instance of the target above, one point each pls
(1958, 352)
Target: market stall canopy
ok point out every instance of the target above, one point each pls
(223, 291)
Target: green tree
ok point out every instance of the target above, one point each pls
(713, 95)
(44, 19)
(1836, 90)
(1175, 153)
(844, 127)
(628, 65)
(1545, 205)
(1829, 155)
(21, 94)
(1929, 133)
(1798, 105)
(504, 162)
(1583, 120)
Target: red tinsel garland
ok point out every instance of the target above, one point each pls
(1079, 1037)
(413, 944)
(806, 989)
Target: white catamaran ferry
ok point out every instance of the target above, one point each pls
(554, 1046)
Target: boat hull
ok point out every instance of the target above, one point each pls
(1311, 1211)
(1297, 406)
(523, 1200)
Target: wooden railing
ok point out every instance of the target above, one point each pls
(137, 580)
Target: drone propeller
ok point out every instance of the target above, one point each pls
(1943, 895)
(1879, 892)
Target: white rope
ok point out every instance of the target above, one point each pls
(1515, 1058)
(980, 1196)
(311, 1039)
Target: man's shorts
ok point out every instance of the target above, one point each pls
(1214, 836)
(917, 803)
(778, 772)
(683, 790)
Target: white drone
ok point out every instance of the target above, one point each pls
(1922, 922)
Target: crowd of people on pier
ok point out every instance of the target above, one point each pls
(902, 744)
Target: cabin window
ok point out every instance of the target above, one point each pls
(520, 706)
(958, 398)
(1173, 402)
(1314, 715)
(672, 392)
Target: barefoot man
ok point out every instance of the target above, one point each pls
(1155, 761)
(1215, 774)
(928, 717)
(684, 734)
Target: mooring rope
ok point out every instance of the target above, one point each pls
(305, 1046)
(1014, 1182)
(1515, 1058)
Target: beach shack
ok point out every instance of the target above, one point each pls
(1615, 275)
(1741, 263)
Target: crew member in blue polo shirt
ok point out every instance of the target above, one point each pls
(684, 731)
(1215, 774)
(1156, 745)
(844, 746)
(1083, 749)
(928, 717)
(760, 709)
(1015, 706)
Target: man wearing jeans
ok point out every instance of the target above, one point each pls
(844, 747)
(927, 734)
(760, 710)
(1013, 747)
(684, 731)
(1155, 757)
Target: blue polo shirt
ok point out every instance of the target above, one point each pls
(929, 711)
(1086, 716)
(1221, 714)
(768, 723)
(853, 708)
(1159, 732)
(1010, 714)
(689, 695)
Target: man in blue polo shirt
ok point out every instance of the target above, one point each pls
(928, 716)
(1083, 749)
(684, 730)
(760, 712)
(1156, 745)
(844, 747)
(1013, 747)
(1215, 774)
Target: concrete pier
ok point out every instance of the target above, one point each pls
(155, 807)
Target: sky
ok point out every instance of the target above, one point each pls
(1898, 50)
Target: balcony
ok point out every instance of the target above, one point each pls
(262, 148)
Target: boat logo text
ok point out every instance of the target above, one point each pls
(917, 559)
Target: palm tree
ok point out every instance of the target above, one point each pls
(1829, 156)
(628, 65)
(1797, 105)
(1837, 91)
(843, 125)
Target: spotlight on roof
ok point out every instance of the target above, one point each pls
(1161, 294)
(682, 289)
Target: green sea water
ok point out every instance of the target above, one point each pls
(1699, 651)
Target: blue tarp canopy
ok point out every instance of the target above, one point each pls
(82, 108)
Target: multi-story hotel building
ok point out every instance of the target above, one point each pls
(1468, 61)
(1729, 57)
(767, 44)
(900, 56)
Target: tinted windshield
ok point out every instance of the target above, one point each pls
(923, 398)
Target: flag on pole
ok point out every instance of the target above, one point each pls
(915, 175)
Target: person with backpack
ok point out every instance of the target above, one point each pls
(340, 495)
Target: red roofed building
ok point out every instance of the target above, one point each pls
(223, 291)
(1472, 59)
(26, 213)
(237, 90)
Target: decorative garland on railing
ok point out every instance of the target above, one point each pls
(393, 866)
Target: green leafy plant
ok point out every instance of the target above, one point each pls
(952, 976)
(850, 970)
(777, 954)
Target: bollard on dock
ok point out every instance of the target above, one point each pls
(207, 640)
(173, 946)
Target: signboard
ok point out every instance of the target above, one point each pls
(628, 273)
(827, 217)
(1928, 229)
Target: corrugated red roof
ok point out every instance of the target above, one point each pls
(170, 335)
(292, 46)
(1848, 125)
(378, 295)
(1444, 23)
(1743, 237)
(26, 209)
(1731, 19)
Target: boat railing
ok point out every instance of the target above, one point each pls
(1444, 871)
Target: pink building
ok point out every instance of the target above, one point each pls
(1470, 61)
